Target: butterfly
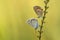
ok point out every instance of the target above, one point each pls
(38, 10)
(33, 22)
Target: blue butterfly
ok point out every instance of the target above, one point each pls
(33, 22)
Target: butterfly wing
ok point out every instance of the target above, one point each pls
(34, 23)
(38, 10)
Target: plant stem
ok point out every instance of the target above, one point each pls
(44, 16)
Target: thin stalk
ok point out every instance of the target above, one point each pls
(43, 18)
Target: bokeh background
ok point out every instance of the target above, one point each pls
(13, 16)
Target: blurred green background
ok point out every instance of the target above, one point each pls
(13, 16)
